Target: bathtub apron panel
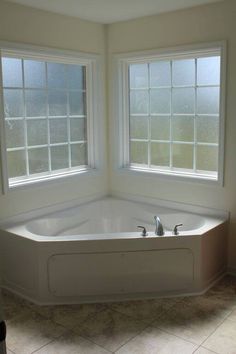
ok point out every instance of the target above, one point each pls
(115, 273)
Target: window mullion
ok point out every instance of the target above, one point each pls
(4, 168)
(25, 122)
(171, 115)
(195, 122)
(48, 121)
(149, 118)
(68, 121)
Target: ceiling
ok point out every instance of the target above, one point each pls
(109, 11)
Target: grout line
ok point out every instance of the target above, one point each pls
(91, 341)
(10, 350)
(209, 350)
(187, 340)
(175, 335)
(120, 313)
(51, 341)
(196, 349)
(148, 325)
(134, 336)
(215, 330)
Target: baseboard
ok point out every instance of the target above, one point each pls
(117, 297)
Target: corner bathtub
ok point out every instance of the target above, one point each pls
(94, 252)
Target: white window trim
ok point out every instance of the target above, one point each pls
(95, 109)
(120, 107)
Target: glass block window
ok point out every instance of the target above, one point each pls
(45, 114)
(174, 114)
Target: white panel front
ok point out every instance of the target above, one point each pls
(115, 273)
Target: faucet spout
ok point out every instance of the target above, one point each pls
(159, 231)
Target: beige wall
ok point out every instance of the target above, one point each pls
(201, 24)
(26, 25)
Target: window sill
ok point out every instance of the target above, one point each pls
(172, 175)
(52, 179)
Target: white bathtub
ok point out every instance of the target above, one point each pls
(94, 252)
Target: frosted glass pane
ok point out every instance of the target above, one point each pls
(139, 152)
(77, 129)
(160, 101)
(56, 75)
(14, 133)
(12, 72)
(183, 72)
(58, 131)
(13, 103)
(37, 132)
(59, 157)
(139, 102)
(77, 103)
(207, 129)
(182, 156)
(57, 102)
(35, 74)
(207, 158)
(183, 128)
(160, 74)
(160, 128)
(36, 103)
(208, 71)
(38, 160)
(183, 100)
(160, 154)
(16, 163)
(139, 127)
(208, 99)
(138, 74)
(76, 77)
(79, 154)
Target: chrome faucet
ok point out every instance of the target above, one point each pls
(159, 227)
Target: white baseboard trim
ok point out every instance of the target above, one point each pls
(115, 297)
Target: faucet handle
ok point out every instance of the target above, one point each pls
(175, 231)
(144, 232)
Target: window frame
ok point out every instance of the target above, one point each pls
(120, 111)
(94, 110)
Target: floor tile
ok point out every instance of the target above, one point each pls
(13, 306)
(202, 350)
(110, 329)
(71, 344)
(70, 316)
(145, 310)
(176, 325)
(223, 340)
(232, 316)
(224, 292)
(155, 341)
(214, 305)
(9, 351)
(28, 333)
(190, 322)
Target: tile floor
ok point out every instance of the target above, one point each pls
(202, 325)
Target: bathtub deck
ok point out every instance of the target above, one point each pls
(202, 325)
